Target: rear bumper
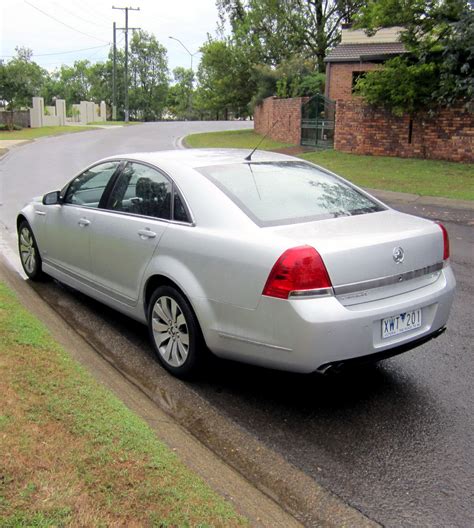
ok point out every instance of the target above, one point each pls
(379, 356)
(306, 335)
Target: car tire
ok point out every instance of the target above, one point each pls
(175, 333)
(29, 253)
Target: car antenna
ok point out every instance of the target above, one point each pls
(249, 157)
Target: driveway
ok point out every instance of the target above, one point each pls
(395, 441)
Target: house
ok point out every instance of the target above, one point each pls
(356, 54)
(343, 120)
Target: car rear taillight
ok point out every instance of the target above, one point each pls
(445, 241)
(299, 269)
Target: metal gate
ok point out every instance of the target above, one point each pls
(317, 122)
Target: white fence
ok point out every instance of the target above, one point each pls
(83, 113)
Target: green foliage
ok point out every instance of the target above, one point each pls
(275, 30)
(400, 86)
(439, 36)
(20, 80)
(148, 77)
(180, 95)
(456, 80)
(295, 77)
(225, 83)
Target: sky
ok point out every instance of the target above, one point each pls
(86, 25)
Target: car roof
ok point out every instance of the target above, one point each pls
(194, 158)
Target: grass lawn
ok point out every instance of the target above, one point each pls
(423, 177)
(115, 123)
(33, 133)
(247, 139)
(74, 455)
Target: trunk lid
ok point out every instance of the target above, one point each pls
(359, 252)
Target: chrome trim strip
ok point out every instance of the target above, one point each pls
(123, 213)
(386, 281)
(311, 294)
(253, 342)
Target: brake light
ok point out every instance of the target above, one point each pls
(298, 269)
(445, 241)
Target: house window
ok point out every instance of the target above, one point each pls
(356, 75)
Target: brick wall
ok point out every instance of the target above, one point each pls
(339, 78)
(288, 114)
(448, 135)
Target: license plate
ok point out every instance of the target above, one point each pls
(404, 322)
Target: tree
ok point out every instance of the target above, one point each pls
(180, 95)
(438, 70)
(276, 30)
(148, 76)
(225, 81)
(20, 80)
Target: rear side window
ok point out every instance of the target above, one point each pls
(274, 193)
(141, 190)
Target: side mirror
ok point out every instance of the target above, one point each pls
(51, 198)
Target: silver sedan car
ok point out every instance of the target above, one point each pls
(269, 260)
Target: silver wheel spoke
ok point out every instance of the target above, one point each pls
(169, 350)
(162, 337)
(183, 352)
(174, 309)
(158, 310)
(164, 306)
(180, 321)
(184, 339)
(159, 327)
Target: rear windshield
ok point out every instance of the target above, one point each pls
(288, 192)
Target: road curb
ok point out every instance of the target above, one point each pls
(398, 197)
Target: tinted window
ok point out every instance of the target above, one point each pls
(141, 190)
(87, 189)
(180, 213)
(287, 192)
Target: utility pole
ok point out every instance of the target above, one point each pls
(114, 77)
(126, 29)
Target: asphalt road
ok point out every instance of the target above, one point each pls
(395, 441)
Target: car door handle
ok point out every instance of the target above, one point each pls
(146, 233)
(83, 222)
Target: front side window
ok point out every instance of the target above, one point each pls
(288, 192)
(87, 189)
(141, 190)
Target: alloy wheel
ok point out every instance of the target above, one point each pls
(27, 250)
(170, 331)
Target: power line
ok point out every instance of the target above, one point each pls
(57, 52)
(75, 15)
(95, 11)
(61, 22)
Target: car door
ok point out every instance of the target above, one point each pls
(69, 224)
(129, 229)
